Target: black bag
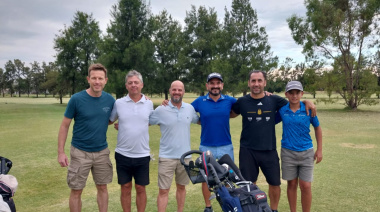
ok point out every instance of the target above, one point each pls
(252, 199)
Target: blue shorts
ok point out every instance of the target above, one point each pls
(219, 151)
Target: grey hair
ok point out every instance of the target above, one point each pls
(134, 73)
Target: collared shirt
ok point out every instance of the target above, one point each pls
(296, 128)
(215, 119)
(175, 128)
(133, 133)
(90, 116)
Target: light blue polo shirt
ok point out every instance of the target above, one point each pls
(296, 128)
(215, 119)
(175, 128)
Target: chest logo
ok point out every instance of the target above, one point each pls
(249, 118)
(106, 109)
(260, 103)
(267, 118)
(259, 112)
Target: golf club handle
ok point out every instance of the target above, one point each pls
(182, 159)
(214, 175)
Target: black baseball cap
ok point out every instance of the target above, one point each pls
(214, 75)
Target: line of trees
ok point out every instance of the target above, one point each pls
(163, 51)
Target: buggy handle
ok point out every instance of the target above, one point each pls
(182, 159)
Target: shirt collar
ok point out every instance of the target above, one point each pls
(209, 98)
(142, 100)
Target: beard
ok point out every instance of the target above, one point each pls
(215, 94)
(176, 100)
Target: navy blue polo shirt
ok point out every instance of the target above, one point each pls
(215, 119)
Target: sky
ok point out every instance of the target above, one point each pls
(28, 27)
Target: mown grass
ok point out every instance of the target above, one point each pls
(346, 180)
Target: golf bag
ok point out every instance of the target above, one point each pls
(223, 177)
(8, 186)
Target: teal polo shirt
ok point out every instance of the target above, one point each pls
(296, 128)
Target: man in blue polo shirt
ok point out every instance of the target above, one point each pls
(174, 121)
(297, 153)
(214, 109)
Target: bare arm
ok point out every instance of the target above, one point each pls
(233, 114)
(318, 136)
(309, 105)
(62, 136)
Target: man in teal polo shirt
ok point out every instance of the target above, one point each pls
(174, 120)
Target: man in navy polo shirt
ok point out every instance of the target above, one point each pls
(214, 109)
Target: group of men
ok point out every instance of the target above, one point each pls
(93, 109)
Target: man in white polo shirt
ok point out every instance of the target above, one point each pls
(174, 120)
(132, 152)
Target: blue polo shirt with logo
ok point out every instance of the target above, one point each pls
(296, 128)
(215, 119)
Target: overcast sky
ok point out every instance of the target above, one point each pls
(28, 27)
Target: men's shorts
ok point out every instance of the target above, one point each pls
(167, 168)
(297, 164)
(251, 160)
(127, 167)
(219, 151)
(81, 162)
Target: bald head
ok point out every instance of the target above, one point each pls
(177, 90)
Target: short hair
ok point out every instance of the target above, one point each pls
(257, 71)
(134, 73)
(97, 67)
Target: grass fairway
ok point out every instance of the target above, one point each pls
(347, 179)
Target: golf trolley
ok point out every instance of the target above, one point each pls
(223, 177)
(8, 186)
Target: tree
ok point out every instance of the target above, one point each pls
(168, 41)
(340, 30)
(200, 49)
(247, 45)
(37, 77)
(128, 45)
(77, 47)
(311, 81)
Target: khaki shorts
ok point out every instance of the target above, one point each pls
(167, 168)
(81, 162)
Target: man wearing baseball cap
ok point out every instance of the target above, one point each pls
(297, 153)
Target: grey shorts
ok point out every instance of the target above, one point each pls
(297, 164)
(81, 162)
(167, 168)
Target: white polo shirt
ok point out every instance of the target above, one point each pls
(133, 134)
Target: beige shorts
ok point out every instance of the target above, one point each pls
(167, 168)
(81, 162)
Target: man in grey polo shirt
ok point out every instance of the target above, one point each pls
(174, 121)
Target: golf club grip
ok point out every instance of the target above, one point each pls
(227, 160)
(211, 169)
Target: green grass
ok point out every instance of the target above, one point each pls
(346, 180)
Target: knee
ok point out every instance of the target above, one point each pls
(76, 193)
(140, 189)
(181, 187)
(101, 188)
(126, 188)
(305, 186)
(163, 192)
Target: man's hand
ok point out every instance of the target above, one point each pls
(267, 93)
(310, 106)
(63, 160)
(116, 126)
(165, 102)
(318, 155)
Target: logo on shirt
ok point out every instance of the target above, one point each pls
(106, 109)
(260, 103)
(258, 119)
(259, 112)
(249, 118)
(267, 118)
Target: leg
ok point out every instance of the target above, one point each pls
(206, 194)
(292, 194)
(162, 199)
(75, 202)
(274, 196)
(102, 198)
(180, 196)
(140, 198)
(125, 197)
(305, 195)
